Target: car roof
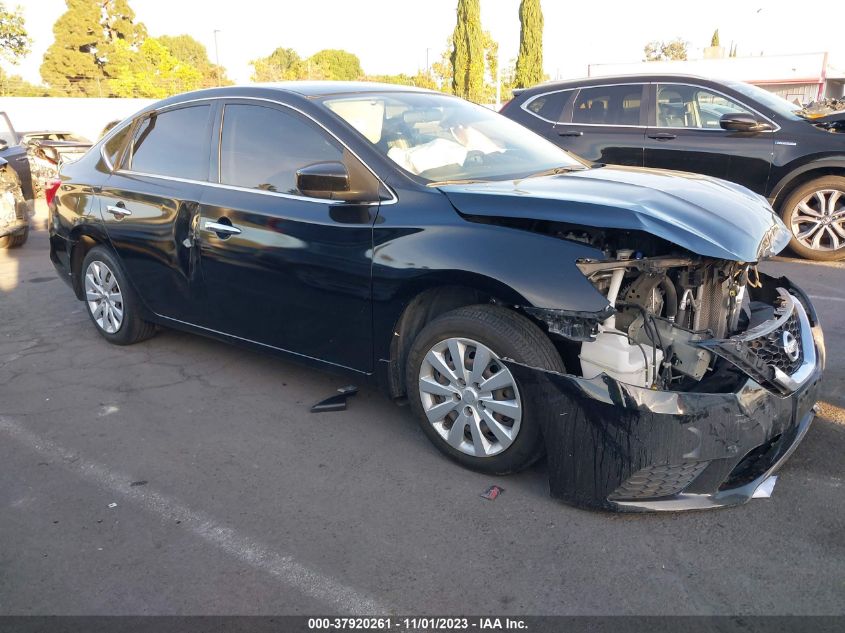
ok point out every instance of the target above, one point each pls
(294, 89)
(611, 79)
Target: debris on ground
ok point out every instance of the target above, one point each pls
(492, 492)
(336, 402)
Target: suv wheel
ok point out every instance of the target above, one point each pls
(815, 214)
(466, 401)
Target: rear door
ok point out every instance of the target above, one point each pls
(289, 271)
(684, 134)
(542, 112)
(150, 206)
(605, 124)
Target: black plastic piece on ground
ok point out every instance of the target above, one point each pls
(336, 402)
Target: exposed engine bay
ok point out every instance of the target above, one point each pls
(674, 317)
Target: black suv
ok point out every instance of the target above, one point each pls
(731, 130)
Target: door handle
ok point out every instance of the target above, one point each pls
(222, 230)
(118, 210)
(570, 133)
(663, 136)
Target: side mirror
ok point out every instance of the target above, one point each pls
(742, 122)
(3, 144)
(323, 180)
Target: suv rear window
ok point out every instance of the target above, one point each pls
(173, 143)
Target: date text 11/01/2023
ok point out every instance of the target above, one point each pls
(417, 623)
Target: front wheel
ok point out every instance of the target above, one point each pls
(466, 400)
(815, 215)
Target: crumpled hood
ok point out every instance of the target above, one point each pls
(707, 216)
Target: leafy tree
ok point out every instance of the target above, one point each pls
(334, 64)
(191, 52)
(442, 70)
(714, 41)
(17, 86)
(86, 36)
(491, 67)
(665, 51)
(150, 72)
(529, 63)
(468, 52)
(14, 41)
(281, 65)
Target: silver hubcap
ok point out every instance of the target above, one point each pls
(102, 293)
(818, 221)
(470, 397)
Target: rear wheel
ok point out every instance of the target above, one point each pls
(466, 400)
(111, 303)
(815, 215)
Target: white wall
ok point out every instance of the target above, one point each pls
(83, 116)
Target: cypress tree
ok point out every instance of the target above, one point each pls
(529, 63)
(468, 52)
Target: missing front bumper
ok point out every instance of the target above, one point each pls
(619, 447)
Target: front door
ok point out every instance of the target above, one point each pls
(281, 268)
(605, 124)
(684, 134)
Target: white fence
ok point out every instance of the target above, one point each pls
(83, 116)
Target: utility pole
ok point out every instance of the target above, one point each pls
(217, 57)
(427, 65)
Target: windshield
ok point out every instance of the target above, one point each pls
(441, 138)
(777, 104)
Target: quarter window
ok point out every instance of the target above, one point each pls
(693, 107)
(262, 148)
(173, 143)
(608, 105)
(549, 106)
(114, 146)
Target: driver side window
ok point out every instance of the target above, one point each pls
(263, 147)
(693, 107)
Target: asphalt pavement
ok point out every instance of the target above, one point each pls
(186, 476)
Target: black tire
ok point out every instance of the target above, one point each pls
(789, 206)
(133, 329)
(509, 335)
(14, 241)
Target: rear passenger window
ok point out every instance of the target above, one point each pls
(608, 105)
(549, 106)
(173, 143)
(262, 148)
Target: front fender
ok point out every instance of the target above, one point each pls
(515, 266)
(795, 170)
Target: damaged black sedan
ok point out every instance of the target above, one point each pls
(524, 301)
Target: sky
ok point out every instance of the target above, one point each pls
(394, 36)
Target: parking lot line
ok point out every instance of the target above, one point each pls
(817, 298)
(282, 566)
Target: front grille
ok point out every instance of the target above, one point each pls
(771, 350)
(653, 482)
